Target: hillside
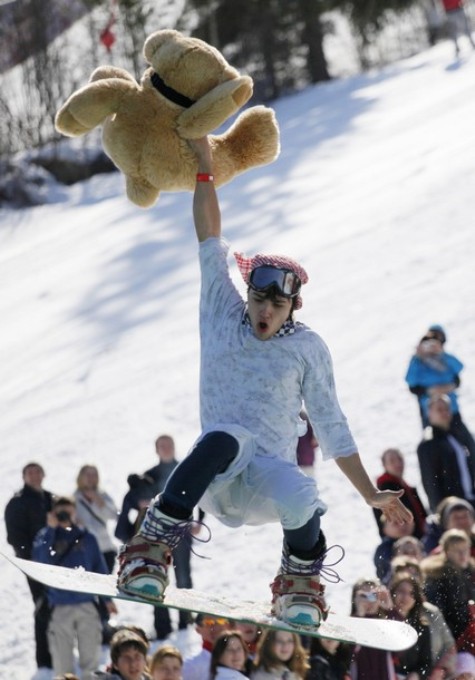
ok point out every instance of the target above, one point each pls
(373, 192)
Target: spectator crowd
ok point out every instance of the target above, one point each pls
(424, 571)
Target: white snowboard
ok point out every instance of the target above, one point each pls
(379, 633)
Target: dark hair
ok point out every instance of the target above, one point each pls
(164, 437)
(342, 655)
(437, 331)
(272, 294)
(220, 647)
(127, 638)
(417, 614)
(386, 452)
(63, 500)
(30, 465)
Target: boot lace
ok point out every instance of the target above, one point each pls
(171, 532)
(317, 567)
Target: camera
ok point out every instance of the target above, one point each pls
(370, 596)
(430, 344)
(63, 516)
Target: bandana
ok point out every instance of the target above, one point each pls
(247, 264)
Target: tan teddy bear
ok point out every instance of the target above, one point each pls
(188, 91)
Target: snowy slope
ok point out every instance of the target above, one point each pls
(373, 192)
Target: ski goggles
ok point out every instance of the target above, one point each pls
(285, 281)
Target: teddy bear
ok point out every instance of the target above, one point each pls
(187, 91)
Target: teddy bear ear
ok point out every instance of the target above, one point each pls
(155, 41)
(216, 106)
(103, 72)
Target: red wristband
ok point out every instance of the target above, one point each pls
(204, 177)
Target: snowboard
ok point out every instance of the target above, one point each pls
(392, 636)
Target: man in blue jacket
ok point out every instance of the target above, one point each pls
(74, 618)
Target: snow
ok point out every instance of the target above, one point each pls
(373, 193)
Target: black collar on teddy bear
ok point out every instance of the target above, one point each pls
(170, 93)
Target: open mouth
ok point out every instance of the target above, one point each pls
(262, 325)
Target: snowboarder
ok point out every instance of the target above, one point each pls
(258, 366)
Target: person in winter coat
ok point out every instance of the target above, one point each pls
(451, 513)
(94, 509)
(457, 22)
(370, 599)
(392, 478)
(229, 656)
(433, 372)
(384, 552)
(75, 618)
(251, 634)
(143, 488)
(128, 652)
(414, 663)
(280, 656)
(25, 515)
(329, 660)
(209, 628)
(443, 650)
(450, 585)
(446, 464)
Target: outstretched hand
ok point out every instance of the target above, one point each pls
(389, 503)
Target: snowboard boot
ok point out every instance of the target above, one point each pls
(297, 594)
(145, 560)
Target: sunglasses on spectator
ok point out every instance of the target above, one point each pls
(210, 621)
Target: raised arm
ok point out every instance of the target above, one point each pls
(206, 211)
